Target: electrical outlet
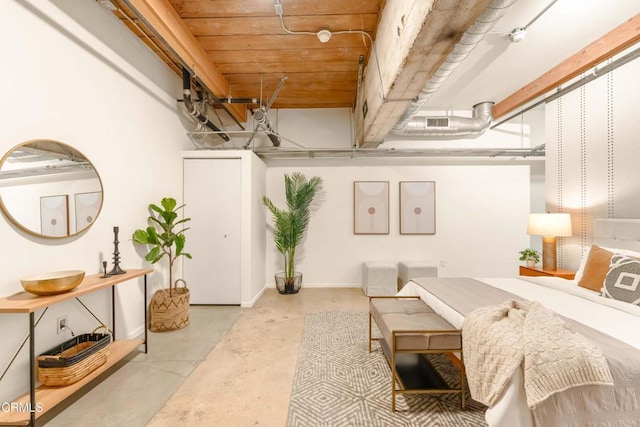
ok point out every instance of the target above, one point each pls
(63, 323)
(442, 263)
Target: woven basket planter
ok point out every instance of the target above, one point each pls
(74, 359)
(169, 311)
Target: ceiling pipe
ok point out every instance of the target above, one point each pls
(192, 110)
(444, 154)
(451, 126)
(470, 39)
(260, 116)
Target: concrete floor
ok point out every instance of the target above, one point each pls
(134, 390)
(230, 367)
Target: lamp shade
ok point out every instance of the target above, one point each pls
(549, 224)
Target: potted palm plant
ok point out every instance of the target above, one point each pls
(290, 225)
(169, 308)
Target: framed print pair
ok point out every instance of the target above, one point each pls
(54, 213)
(417, 207)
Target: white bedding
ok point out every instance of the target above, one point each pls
(620, 320)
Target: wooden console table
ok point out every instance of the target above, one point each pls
(41, 399)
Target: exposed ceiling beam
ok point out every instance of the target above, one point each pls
(162, 17)
(613, 42)
(426, 34)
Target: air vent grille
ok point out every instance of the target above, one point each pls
(439, 122)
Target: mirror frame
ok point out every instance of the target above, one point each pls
(17, 223)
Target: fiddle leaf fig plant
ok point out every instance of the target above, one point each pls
(163, 236)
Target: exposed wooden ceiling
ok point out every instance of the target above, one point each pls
(239, 48)
(248, 45)
(242, 49)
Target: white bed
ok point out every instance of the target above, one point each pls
(565, 298)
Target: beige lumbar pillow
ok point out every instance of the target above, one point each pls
(596, 268)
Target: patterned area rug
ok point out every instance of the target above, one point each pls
(339, 383)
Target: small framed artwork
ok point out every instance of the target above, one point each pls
(87, 208)
(54, 215)
(417, 207)
(371, 207)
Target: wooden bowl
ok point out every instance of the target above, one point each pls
(57, 282)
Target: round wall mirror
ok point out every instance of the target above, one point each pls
(49, 189)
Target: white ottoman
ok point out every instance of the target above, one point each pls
(379, 278)
(410, 269)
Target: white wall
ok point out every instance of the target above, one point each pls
(258, 232)
(80, 77)
(481, 214)
(303, 128)
(592, 156)
(482, 204)
(538, 197)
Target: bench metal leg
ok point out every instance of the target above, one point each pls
(393, 374)
(462, 379)
(369, 332)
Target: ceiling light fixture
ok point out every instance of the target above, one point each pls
(324, 35)
(517, 34)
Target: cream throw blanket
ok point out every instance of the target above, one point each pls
(496, 339)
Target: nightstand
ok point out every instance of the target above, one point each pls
(535, 271)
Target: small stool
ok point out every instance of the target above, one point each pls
(409, 269)
(379, 278)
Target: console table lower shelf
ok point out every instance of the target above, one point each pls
(49, 397)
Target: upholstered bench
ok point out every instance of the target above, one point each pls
(409, 328)
(379, 278)
(408, 270)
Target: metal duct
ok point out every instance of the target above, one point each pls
(451, 126)
(467, 43)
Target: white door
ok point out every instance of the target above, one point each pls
(212, 190)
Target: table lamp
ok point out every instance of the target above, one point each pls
(549, 226)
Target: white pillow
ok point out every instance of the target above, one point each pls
(583, 261)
